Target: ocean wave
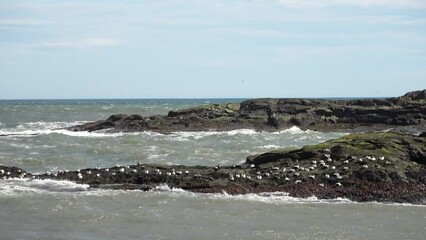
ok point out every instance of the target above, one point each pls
(275, 198)
(37, 128)
(18, 186)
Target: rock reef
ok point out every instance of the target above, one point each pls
(399, 114)
(384, 167)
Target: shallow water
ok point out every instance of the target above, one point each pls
(64, 210)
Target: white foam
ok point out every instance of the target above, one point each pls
(166, 188)
(37, 128)
(185, 136)
(275, 198)
(18, 186)
(271, 146)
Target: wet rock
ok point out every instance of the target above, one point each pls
(401, 114)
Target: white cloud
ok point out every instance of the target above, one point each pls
(360, 3)
(79, 43)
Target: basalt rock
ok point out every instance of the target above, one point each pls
(402, 114)
(385, 167)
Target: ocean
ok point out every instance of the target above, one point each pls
(31, 138)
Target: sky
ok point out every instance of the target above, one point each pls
(211, 49)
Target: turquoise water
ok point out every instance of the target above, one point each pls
(32, 138)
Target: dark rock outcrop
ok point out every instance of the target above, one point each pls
(385, 167)
(402, 114)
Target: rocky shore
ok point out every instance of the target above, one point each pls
(384, 167)
(400, 114)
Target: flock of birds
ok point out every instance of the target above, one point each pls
(326, 170)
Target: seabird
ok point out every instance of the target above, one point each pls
(169, 174)
(365, 166)
(187, 172)
(298, 181)
(267, 174)
(134, 170)
(311, 176)
(237, 175)
(327, 176)
(258, 177)
(346, 161)
(113, 174)
(80, 176)
(1, 171)
(107, 169)
(179, 172)
(296, 174)
(382, 158)
(287, 179)
(98, 175)
(333, 167)
(327, 155)
(387, 163)
(231, 178)
(121, 169)
(146, 171)
(321, 184)
(338, 184)
(275, 168)
(314, 162)
(345, 168)
(89, 172)
(252, 166)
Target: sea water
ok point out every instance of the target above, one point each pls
(31, 137)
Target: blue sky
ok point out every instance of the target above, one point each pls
(211, 49)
